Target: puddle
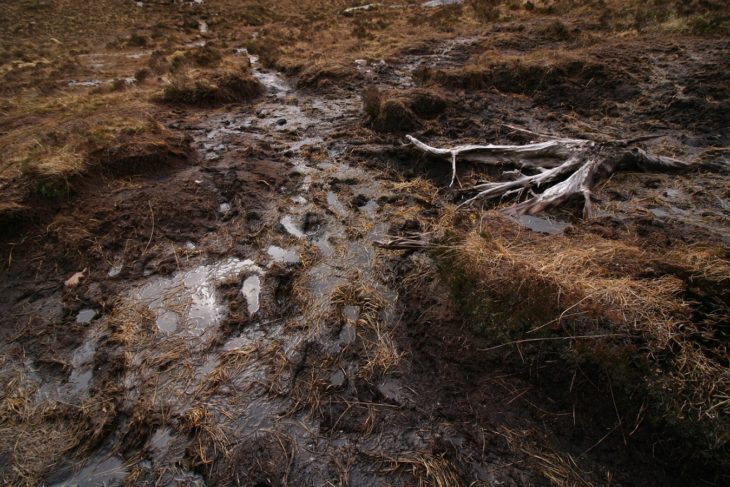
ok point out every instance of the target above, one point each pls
(324, 245)
(323, 279)
(335, 205)
(161, 447)
(371, 208)
(300, 200)
(273, 82)
(379, 232)
(671, 212)
(99, 471)
(351, 313)
(85, 83)
(115, 270)
(307, 141)
(391, 390)
(292, 228)
(279, 254)
(85, 316)
(251, 290)
(91, 83)
(439, 3)
(190, 298)
(348, 334)
(542, 225)
(337, 379)
(362, 8)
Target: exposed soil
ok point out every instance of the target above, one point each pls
(236, 324)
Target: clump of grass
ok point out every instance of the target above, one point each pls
(485, 10)
(230, 83)
(612, 306)
(395, 112)
(380, 348)
(393, 115)
(371, 100)
(203, 56)
(426, 468)
(324, 74)
(40, 433)
(74, 134)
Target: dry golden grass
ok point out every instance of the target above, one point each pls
(609, 303)
(228, 82)
(427, 469)
(54, 140)
(560, 469)
(210, 439)
(41, 432)
(381, 349)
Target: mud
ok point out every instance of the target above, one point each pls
(245, 329)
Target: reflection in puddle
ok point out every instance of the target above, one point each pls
(542, 225)
(251, 290)
(98, 471)
(190, 298)
(292, 228)
(85, 316)
(278, 254)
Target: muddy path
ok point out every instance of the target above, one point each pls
(237, 325)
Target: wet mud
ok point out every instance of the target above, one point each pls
(241, 327)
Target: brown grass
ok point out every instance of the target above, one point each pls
(228, 83)
(428, 469)
(381, 352)
(526, 289)
(39, 434)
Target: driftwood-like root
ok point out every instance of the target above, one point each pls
(564, 169)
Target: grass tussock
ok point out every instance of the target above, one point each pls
(397, 112)
(41, 432)
(231, 82)
(53, 145)
(613, 306)
(380, 349)
(54, 140)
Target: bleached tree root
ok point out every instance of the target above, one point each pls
(562, 168)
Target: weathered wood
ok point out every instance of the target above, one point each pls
(566, 168)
